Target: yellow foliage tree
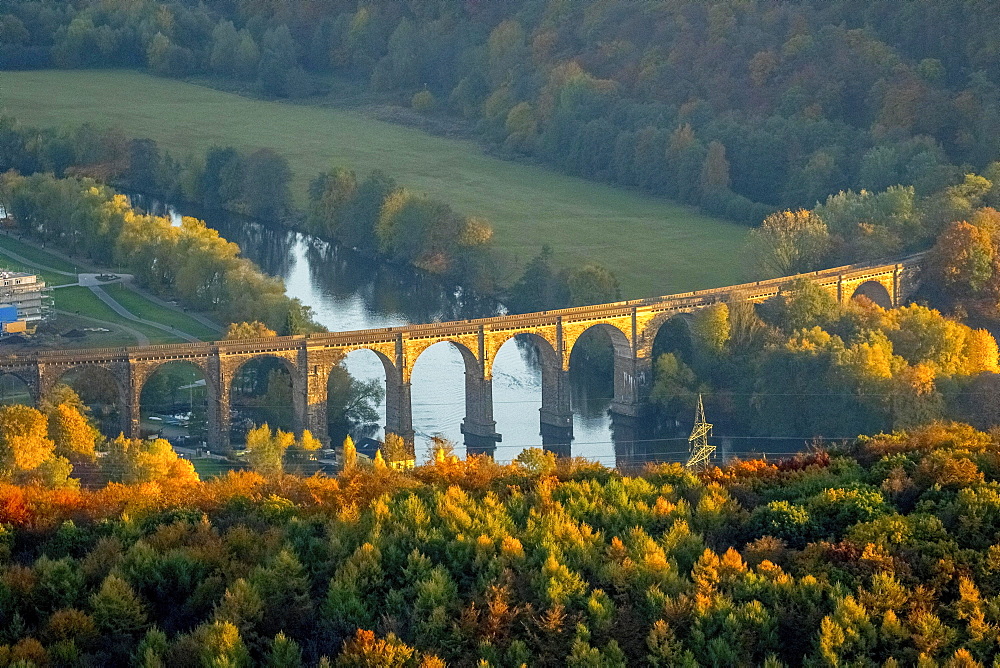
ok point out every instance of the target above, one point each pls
(391, 207)
(396, 448)
(24, 441)
(249, 330)
(75, 438)
(350, 453)
(475, 232)
(304, 451)
(134, 460)
(982, 354)
(266, 449)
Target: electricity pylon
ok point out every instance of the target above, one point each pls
(701, 451)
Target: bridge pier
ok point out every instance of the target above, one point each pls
(300, 406)
(317, 364)
(479, 427)
(218, 386)
(556, 414)
(398, 409)
(633, 377)
(131, 412)
(625, 433)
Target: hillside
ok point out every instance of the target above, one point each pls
(717, 103)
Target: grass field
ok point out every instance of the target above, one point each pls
(144, 308)
(81, 300)
(31, 253)
(64, 323)
(37, 254)
(654, 246)
(211, 468)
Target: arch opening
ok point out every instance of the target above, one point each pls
(592, 369)
(524, 370)
(100, 391)
(173, 404)
(597, 377)
(439, 397)
(875, 292)
(674, 336)
(261, 392)
(14, 390)
(670, 395)
(356, 398)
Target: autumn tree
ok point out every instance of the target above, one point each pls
(61, 393)
(397, 449)
(350, 456)
(365, 649)
(302, 454)
(75, 438)
(26, 451)
(964, 259)
(711, 330)
(266, 449)
(249, 330)
(789, 242)
(135, 460)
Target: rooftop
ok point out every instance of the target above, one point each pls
(14, 274)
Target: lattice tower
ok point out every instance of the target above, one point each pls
(701, 451)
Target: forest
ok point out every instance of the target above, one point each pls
(801, 364)
(740, 107)
(883, 552)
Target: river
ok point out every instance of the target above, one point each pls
(347, 291)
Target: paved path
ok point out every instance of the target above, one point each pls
(139, 336)
(126, 278)
(125, 313)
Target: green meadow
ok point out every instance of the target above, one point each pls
(654, 246)
(144, 308)
(84, 302)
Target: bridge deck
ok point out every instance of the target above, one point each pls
(755, 291)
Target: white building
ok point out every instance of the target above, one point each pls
(27, 293)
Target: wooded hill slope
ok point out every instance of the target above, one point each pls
(720, 103)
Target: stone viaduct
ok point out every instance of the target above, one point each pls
(631, 325)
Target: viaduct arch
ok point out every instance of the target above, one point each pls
(632, 325)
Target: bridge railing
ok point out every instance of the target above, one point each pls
(680, 301)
